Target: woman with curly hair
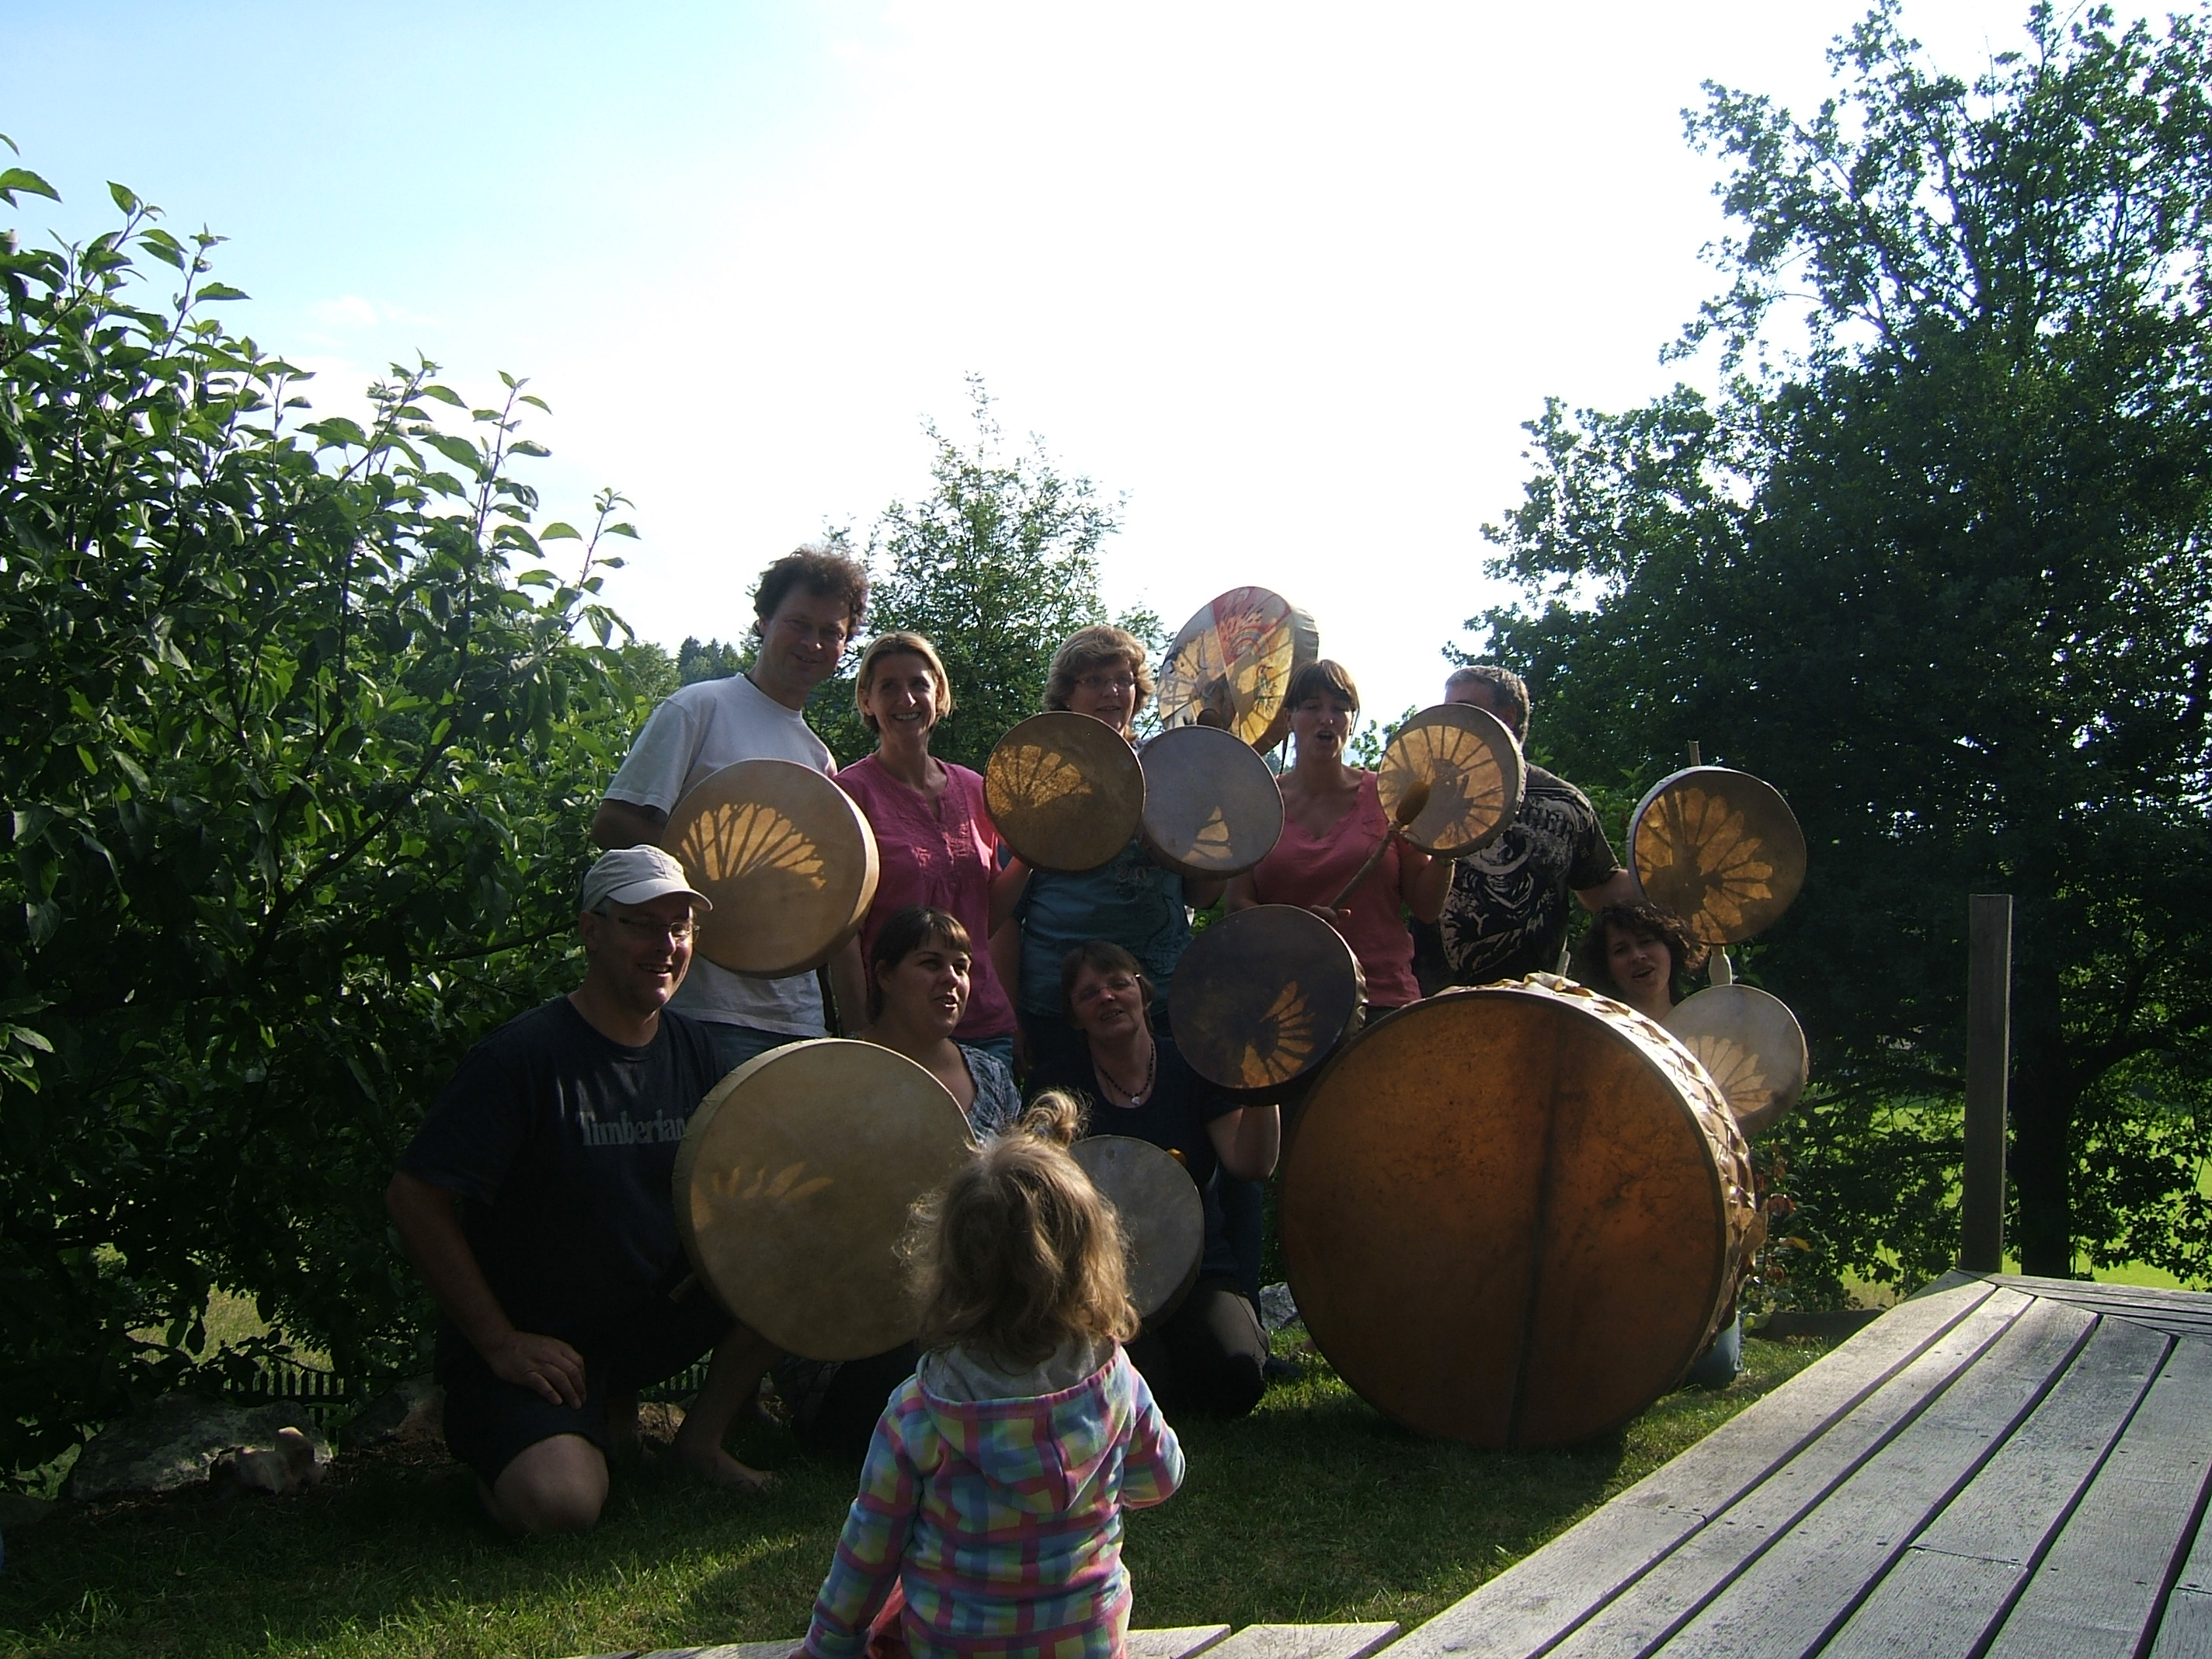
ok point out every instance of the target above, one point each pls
(1638, 954)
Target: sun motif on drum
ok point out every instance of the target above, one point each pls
(1737, 1068)
(1028, 776)
(1466, 786)
(1284, 1042)
(788, 1185)
(735, 841)
(1704, 861)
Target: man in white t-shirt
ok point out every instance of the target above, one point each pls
(809, 605)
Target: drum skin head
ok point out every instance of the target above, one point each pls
(1512, 1216)
(1751, 1043)
(1162, 1216)
(794, 1184)
(1066, 791)
(1233, 662)
(1263, 997)
(1474, 772)
(786, 858)
(1211, 807)
(1720, 849)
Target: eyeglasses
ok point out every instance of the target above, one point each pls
(1107, 682)
(645, 927)
(1115, 984)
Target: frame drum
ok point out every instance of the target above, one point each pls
(1162, 1215)
(1066, 791)
(1474, 773)
(794, 1184)
(1720, 849)
(1751, 1043)
(1211, 807)
(1233, 664)
(1514, 1215)
(1263, 997)
(788, 859)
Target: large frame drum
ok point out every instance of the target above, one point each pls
(1263, 997)
(794, 1187)
(1066, 791)
(1162, 1217)
(1211, 807)
(1514, 1215)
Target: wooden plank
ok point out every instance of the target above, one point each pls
(1819, 1526)
(736, 1651)
(2100, 1586)
(1956, 1582)
(1547, 1594)
(2140, 1296)
(1174, 1641)
(2185, 1632)
(1306, 1642)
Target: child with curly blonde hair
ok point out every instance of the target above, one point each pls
(989, 1515)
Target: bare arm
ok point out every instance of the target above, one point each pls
(440, 1250)
(1423, 881)
(1007, 885)
(1248, 1141)
(1618, 888)
(626, 824)
(1242, 893)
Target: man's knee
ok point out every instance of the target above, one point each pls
(558, 1485)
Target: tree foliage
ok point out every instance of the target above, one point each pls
(1937, 567)
(997, 565)
(299, 766)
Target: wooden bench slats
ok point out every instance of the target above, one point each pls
(1961, 1572)
(1532, 1603)
(2100, 1586)
(1676, 1588)
(1306, 1642)
(2186, 1631)
(1174, 1641)
(1805, 1583)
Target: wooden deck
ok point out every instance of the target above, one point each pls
(1999, 1466)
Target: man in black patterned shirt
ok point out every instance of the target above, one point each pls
(1506, 913)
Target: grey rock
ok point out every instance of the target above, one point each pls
(1277, 1310)
(412, 1410)
(174, 1442)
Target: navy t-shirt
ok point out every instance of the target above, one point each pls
(561, 1144)
(1174, 1116)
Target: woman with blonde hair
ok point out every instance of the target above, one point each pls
(1139, 905)
(935, 844)
(989, 1513)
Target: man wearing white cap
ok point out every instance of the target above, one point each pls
(535, 1202)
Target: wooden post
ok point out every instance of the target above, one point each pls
(1989, 1069)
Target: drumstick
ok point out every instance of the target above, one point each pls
(1409, 808)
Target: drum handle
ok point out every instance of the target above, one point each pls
(1723, 969)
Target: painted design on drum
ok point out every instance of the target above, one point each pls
(788, 1185)
(1211, 844)
(1030, 776)
(1704, 861)
(1285, 1042)
(1238, 668)
(1466, 788)
(1736, 1069)
(735, 841)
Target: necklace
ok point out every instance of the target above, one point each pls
(1137, 1097)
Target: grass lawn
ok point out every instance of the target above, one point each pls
(1316, 1507)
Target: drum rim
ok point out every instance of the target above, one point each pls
(1794, 885)
(1353, 1023)
(1288, 1182)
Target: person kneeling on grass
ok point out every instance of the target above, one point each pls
(535, 1202)
(989, 1515)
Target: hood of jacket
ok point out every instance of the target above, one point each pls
(1044, 1452)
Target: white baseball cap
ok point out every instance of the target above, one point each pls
(636, 875)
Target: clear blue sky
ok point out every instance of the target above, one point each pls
(1290, 275)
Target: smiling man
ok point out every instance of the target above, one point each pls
(807, 608)
(535, 1201)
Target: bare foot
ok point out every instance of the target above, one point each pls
(719, 1467)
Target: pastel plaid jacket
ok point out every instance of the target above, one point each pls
(1003, 1520)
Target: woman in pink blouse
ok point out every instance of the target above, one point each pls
(1332, 821)
(935, 841)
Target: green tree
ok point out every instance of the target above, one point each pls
(997, 565)
(706, 660)
(1937, 567)
(299, 769)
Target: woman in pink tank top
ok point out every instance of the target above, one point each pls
(1333, 820)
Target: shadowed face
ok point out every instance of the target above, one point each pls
(638, 954)
(1106, 691)
(801, 644)
(927, 987)
(1106, 1005)
(1642, 967)
(1322, 725)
